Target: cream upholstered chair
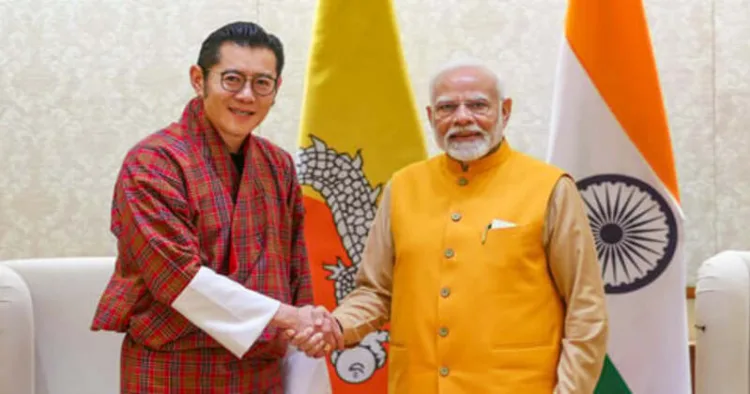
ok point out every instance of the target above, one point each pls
(722, 320)
(46, 347)
(16, 345)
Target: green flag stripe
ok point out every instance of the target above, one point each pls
(610, 382)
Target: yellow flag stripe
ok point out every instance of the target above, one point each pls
(611, 40)
(357, 91)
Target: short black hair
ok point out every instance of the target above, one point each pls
(247, 34)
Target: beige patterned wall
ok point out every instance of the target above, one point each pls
(81, 81)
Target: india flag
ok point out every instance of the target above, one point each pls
(609, 130)
(359, 125)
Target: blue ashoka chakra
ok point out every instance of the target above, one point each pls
(634, 229)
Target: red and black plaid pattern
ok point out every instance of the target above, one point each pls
(146, 371)
(173, 212)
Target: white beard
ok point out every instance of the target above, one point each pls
(467, 151)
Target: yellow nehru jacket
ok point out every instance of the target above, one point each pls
(474, 308)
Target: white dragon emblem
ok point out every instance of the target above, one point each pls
(342, 183)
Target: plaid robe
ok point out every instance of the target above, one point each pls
(173, 211)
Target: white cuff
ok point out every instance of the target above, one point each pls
(230, 313)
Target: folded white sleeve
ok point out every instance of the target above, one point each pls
(305, 375)
(230, 313)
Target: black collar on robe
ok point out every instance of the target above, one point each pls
(239, 162)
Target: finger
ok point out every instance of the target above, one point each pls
(319, 315)
(322, 353)
(320, 320)
(320, 349)
(290, 333)
(333, 337)
(312, 344)
(317, 349)
(302, 337)
(327, 327)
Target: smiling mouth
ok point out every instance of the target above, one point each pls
(242, 113)
(464, 136)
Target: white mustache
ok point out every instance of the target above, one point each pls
(468, 129)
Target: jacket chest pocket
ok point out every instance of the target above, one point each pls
(512, 250)
(518, 288)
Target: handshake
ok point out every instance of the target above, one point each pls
(311, 329)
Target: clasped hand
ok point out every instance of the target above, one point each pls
(314, 331)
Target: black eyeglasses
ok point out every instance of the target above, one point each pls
(233, 81)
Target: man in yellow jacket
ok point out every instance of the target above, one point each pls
(482, 259)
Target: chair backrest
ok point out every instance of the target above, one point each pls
(722, 319)
(49, 304)
(16, 345)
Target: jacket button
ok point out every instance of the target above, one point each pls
(456, 216)
(444, 371)
(449, 253)
(445, 292)
(443, 332)
(463, 181)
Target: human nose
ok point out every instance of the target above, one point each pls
(462, 116)
(246, 93)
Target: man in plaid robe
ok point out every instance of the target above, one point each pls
(211, 266)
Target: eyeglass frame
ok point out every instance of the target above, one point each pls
(465, 103)
(245, 80)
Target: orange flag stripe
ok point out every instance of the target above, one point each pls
(627, 80)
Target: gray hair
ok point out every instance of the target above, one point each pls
(465, 62)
